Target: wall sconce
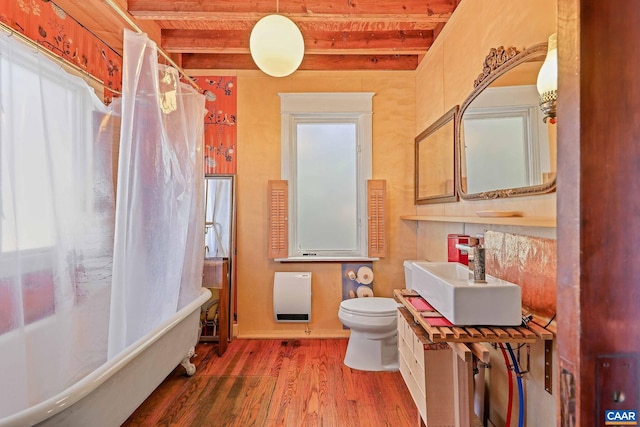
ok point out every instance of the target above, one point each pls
(548, 80)
(276, 45)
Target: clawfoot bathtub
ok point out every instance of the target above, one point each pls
(108, 395)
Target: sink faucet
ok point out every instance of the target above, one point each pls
(476, 261)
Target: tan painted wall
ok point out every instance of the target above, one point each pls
(259, 161)
(444, 79)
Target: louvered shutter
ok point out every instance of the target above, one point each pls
(278, 219)
(376, 205)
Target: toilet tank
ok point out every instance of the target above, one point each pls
(292, 296)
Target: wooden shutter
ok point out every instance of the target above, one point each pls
(278, 219)
(376, 205)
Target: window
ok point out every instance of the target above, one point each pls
(56, 210)
(326, 159)
(506, 142)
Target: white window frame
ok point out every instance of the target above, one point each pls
(326, 107)
(77, 153)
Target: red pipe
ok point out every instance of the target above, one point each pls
(510, 404)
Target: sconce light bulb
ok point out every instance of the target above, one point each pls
(547, 83)
(548, 75)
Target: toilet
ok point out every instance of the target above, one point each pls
(373, 344)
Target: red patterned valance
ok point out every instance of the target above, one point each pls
(220, 124)
(50, 27)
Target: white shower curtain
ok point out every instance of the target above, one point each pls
(56, 227)
(58, 246)
(158, 248)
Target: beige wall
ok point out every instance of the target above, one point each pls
(445, 78)
(259, 161)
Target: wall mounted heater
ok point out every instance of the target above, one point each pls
(292, 297)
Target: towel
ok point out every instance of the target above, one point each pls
(438, 321)
(420, 304)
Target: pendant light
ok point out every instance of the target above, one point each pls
(276, 45)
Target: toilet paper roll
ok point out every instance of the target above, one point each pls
(364, 291)
(365, 275)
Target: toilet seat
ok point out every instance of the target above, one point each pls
(370, 307)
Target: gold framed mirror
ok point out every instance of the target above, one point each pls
(435, 154)
(504, 148)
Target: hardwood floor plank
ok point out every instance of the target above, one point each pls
(285, 390)
(240, 401)
(268, 383)
(186, 406)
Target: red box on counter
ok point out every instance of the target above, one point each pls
(455, 254)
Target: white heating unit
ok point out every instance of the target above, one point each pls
(292, 296)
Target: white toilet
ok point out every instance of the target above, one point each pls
(373, 345)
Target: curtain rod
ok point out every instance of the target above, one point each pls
(135, 26)
(56, 58)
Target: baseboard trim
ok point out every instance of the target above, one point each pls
(294, 335)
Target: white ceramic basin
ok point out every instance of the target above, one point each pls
(446, 286)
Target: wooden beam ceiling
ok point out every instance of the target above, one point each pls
(338, 34)
(310, 62)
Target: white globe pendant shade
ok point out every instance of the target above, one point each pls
(276, 45)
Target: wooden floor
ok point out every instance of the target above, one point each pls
(277, 383)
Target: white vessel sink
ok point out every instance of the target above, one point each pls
(446, 286)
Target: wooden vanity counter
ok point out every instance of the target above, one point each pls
(471, 334)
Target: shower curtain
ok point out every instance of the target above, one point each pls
(56, 227)
(81, 279)
(158, 249)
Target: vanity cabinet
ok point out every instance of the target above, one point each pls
(427, 369)
(436, 362)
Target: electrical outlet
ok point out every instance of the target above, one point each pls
(617, 383)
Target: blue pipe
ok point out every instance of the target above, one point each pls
(520, 389)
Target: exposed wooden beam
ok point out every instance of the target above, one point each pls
(198, 9)
(330, 21)
(205, 41)
(104, 22)
(318, 42)
(317, 23)
(177, 58)
(310, 62)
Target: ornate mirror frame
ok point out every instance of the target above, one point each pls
(434, 135)
(498, 62)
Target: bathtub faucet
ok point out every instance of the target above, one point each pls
(476, 261)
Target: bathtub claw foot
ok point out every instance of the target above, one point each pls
(186, 362)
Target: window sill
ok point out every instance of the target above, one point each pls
(326, 259)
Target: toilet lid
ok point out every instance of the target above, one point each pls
(372, 306)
